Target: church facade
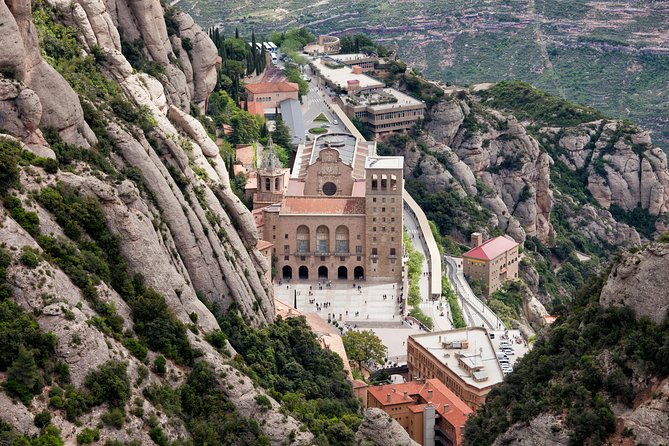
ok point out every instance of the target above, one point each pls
(339, 217)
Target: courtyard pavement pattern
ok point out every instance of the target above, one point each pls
(375, 313)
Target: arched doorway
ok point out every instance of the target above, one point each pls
(303, 272)
(359, 273)
(322, 272)
(342, 273)
(287, 272)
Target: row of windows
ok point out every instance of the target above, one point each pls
(399, 114)
(383, 219)
(383, 229)
(383, 200)
(403, 124)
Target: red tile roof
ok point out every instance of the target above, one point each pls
(272, 87)
(444, 401)
(323, 205)
(263, 244)
(244, 153)
(491, 249)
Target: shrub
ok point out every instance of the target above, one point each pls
(137, 349)
(115, 417)
(29, 257)
(9, 165)
(160, 365)
(110, 384)
(43, 419)
(88, 436)
(263, 401)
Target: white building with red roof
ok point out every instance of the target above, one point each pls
(494, 261)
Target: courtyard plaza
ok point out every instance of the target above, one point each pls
(354, 309)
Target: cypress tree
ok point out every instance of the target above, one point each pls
(236, 33)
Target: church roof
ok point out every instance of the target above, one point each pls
(323, 205)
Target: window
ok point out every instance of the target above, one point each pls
(383, 209)
(285, 236)
(267, 184)
(392, 251)
(358, 249)
(286, 249)
(375, 251)
(329, 189)
(374, 200)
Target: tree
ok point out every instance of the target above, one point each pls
(245, 128)
(23, 377)
(364, 346)
(281, 133)
(9, 170)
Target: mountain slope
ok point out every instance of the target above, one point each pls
(610, 55)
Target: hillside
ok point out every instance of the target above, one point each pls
(613, 56)
(598, 375)
(133, 300)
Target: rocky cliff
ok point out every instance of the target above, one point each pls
(163, 191)
(598, 375)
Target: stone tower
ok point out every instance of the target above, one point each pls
(383, 192)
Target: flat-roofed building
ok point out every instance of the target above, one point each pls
(384, 111)
(464, 360)
(344, 79)
(428, 410)
(365, 62)
(324, 45)
(494, 262)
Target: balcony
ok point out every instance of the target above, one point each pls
(324, 254)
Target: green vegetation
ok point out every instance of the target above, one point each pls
(318, 130)
(49, 436)
(286, 359)
(564, 373)
(638, 218)
(321, 118)
(456, 312)
(293, 74)
(9, 165)
(363, 346)
(529, 103)
(507, 301)
(361, 43)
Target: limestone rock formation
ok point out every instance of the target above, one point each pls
(638, 282)
(648, 421)
(61, 109)
(544, 430)
(379, 429)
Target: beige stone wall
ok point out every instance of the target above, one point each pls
(283, 232)
(328, 168)
(384, 222)
(271, 100)
(494, 272)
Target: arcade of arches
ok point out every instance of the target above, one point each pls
(323, 273)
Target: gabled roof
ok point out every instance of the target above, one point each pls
(272, 87)
(491, 249)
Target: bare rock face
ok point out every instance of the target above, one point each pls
(544, 430)
(194, 129)
(379, 429)
(202, 56)
(61, 109)
(628, 171)
(447, 118)
(649, 421)
(634, 283)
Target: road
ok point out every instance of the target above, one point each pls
(316, 102)
(438, 310)
(475, 311)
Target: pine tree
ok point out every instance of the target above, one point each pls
(23, 377)
(281, 133)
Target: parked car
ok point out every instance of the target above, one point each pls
(509, 351)
(501, 355)
(335, 122)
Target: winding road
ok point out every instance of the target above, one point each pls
(475, 311)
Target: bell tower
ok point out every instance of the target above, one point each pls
(271, 178)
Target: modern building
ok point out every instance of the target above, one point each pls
(428, 410)
(464, 360)
(268, 96)
(494, 262)
(364, 61)
(340, 215)
(384, 111)
(344, 79)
